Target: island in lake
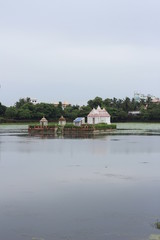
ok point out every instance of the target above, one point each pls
(98, 122)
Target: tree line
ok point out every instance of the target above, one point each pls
(24, 110)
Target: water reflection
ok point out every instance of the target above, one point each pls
(100, 188)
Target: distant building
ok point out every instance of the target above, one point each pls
(62, 121)
(156, 100)
(98, 116)
(33, 100)
(134, 113)
(79, 121)
(64, 104)
(56, 104)
(138, 97)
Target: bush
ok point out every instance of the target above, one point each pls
(69, 125)
(89, 126)
(103, 126)
(52, 125)
(32, 126)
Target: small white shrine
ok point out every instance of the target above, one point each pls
(43, 122)
(79, 121)
(62, 121)
(98, 116)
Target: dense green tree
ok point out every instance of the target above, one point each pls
(95, 102)
(11, 113)
(22, 101)
(24, 114)
(135, 105)
(107, 102)
(84, 111)
(117, 108)
(2, 109)
(126, 105)
(44, 109)
(71, 112)
(119, 103)
(148, 101)
(114, 102)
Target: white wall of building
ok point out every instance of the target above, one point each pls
(96, 120)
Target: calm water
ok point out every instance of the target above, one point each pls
(105, 188)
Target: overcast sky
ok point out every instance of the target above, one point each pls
(75, 50)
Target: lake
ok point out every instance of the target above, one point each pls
(101, 188)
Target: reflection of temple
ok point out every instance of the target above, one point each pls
(99, 148)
